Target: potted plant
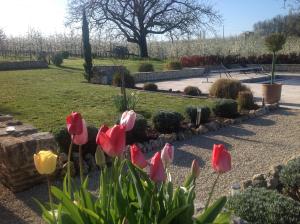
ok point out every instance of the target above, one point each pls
(272, 91)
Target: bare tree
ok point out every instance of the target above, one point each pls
(2, 39)
(136, 19)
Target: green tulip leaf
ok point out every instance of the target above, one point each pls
(168, 219)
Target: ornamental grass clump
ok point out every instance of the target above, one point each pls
(134, 190)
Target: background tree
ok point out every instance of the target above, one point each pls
(2, 39)
(137, 19)
(87, 51)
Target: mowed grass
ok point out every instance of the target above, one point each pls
(44, 97)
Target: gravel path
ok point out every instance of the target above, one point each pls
(255, 146)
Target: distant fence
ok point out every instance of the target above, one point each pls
(4, 66)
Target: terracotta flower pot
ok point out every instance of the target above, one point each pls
(271, 92)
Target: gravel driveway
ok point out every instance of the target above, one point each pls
(255, 146)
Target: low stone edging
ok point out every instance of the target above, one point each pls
(16, 65)
(156, 144)
(279, 67)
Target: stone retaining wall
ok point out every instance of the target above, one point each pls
(17, 65)
(17, 170)
(168, 75)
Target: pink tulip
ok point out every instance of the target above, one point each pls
(112, 140)
(221, 159)
(195, 168)
(137, 157)
(128, 119)
(82, 138)
(167, 154)
(157, 172)
(74, 123)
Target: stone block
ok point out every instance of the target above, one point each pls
(5, 118)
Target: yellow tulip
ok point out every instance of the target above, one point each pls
(45, 161)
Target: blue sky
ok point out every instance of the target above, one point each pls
(16, 16)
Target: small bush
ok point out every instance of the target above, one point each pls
(138, 133)
(63, 139)
(225, 108)
(129, 80)
(173, 65)
(57, 59)
(191, 112)
(227, 88)
(192, 91)
(42, 56)
(167, 121)
(120, 104)
(146, 67)
(150, 87)
(261, 206)
(290, 178)
(65, 54)
(245, 100)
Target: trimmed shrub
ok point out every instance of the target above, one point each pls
(191, 112)
(146, 67)
(245, 100)
(227, 88)
(150, 87)
(192, 91)
(261, 206)
(65, 54)
(173, 65)
(225, 108)
(138, 133)
(289, 176)
(57, 59)
(63, 139)
(167, 121)
(129, 79)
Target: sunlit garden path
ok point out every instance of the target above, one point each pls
(255, 146)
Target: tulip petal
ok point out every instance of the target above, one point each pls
(82, 138)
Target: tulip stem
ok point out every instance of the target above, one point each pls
(80, 164)
(212, 191)
(69, 166)
(50, 197)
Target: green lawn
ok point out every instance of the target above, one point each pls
(44, 97)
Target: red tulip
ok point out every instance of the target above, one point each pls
(137, 157)
(221, 159)
(74, 123)
(128, 119)
(195, 168)
(167, 154)
(112, 140)
(82, 138)
(157, 172)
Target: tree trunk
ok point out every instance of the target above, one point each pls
(143, 47)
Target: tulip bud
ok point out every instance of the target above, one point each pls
(100, 158)
(137, 157)
(195, 169)
(74, 123)
(221, 159)
(82, 138)
(167, 154)
(128, 119)
(45, 162)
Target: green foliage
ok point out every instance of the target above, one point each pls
(167, 121)
(192, 91)
(130, 104)
(42, 56)
(261, 206)
(129, 79)
(227, 88)
(63, 140)
(126, 194)
(65, 54)
(139, 131)
(146, 67)
(225, 108)
(57, 59)
(173, 65)
(274, 42)
(87, 50)
(245, 100)
(290, 178)
(150, 86)
(191, 112)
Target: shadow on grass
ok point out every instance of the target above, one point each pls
(5, 110)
